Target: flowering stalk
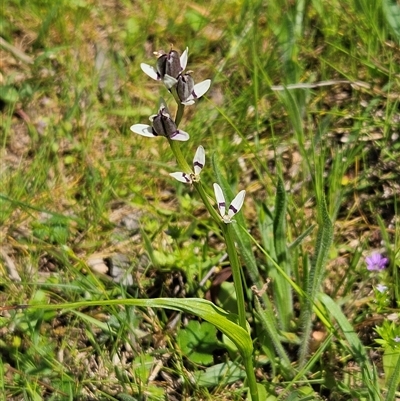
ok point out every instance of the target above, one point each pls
(170, 68)
(227, 232)
(181, 107)
(176, 150)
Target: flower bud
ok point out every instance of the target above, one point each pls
(169, 64)
(163, 125)
(184, 87)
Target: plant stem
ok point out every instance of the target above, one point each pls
(227, 232)
(202, 193)
(236, 273)
(182, 163)
(179, 112)
(251, 378)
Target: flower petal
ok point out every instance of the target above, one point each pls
(376, 262)
(184, 59)
(219, 196)
(189, 101)
(169, 81)
(182, 177)
(201, 88)
(381, 288)
(179, 136)
(236, 204)
(150, 71)
(199, 160)
(143, 129)
(198, 91)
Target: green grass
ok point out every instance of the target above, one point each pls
(320, 165)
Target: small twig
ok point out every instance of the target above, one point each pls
(319, 84)
(12, 270)
(212, 270)
(156, 371)
(15, 51)
(354, 84)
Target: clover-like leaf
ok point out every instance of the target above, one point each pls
(198, 341)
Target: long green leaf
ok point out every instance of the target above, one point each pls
(394, 381)
(324, 240)
(282, 288)
(222, 320)
(267, 320)
(391, 11)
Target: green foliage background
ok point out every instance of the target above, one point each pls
(303, 111)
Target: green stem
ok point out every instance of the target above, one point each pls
(202, 193)
(251, 378)
(179, 113)
(227, 231)
(182, 163)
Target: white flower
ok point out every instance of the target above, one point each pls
(381, 288)
(233, 208)
(162, 125)
(169, 66)
(198, 164)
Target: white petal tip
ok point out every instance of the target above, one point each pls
(143, 129)
(184, 59)
(199, 160)
(150, 71)
(237, 203)
(219, 196)
(181, 177)
(201, 88)
(180, 136)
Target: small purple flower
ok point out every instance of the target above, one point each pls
(376, 262)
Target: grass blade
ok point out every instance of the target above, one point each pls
(391, 12)
(282, 288)
(370, 377)
(394, 381)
